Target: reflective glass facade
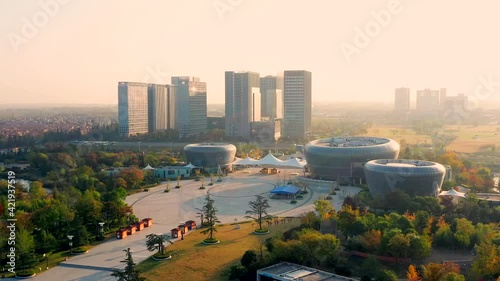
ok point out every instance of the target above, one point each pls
(132, 108)
(415, 177)
(209, 155)
(334, 158)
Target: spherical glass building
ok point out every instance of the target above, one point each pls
(210, 155)
(344, 157)
(415, 177)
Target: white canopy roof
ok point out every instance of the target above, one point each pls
(190, 166)
(246, 161)
(148, 167)
(452, 192)
(294, 162)
(271, 160)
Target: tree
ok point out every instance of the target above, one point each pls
(258, 210)
(452, 276)
(156, 241)
(129, 273)
(386, 275)
(210, 214)
(464, 231)
(398, 246)
(412, 274)
(25, 248)
(324, 208)
(487, 262)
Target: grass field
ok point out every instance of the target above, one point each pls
(191, 260)
(469, 139)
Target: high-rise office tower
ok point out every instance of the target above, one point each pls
(190, 105)
(297, 103)
(402, 100)
(242, 102)
(161, 107)
(428, 100)
(132, 108)
(271, 89)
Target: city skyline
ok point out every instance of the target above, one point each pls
(53, 54)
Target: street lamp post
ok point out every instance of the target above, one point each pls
(128, 217)
(70, 237)
(101, 230)
(46, 256)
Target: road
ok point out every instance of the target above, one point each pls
(169, 209)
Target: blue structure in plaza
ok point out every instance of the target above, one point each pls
(344, 157)
(415, 177)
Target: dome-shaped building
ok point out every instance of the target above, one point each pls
(415, 177)
(210, 155)
(344, 157)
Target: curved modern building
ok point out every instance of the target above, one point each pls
(210, 155)
(344, 157)
(415, 177)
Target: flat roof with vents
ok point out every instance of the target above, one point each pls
(286, 271)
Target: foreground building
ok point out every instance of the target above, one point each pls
(210, 156)
(414, 177)
(286, 271)
(344, 157)
(132, 108)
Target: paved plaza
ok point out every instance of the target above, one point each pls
(179, 205)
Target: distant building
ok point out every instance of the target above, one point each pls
(458, 104)
(132, 108)
(442, 98)
(216, 123)
(242, 91)
(402, 100)
(266, 131)
(271, 89)
(161, 107)
(191, 105)
(297, 103)
(428, 100)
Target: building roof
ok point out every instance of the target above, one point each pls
(293, 272)
(287, 189)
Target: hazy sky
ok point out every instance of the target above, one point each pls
(75, 51)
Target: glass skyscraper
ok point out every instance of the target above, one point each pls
(191, 105)
(132, 108)
(298, 104)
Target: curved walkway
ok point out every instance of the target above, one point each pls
(168, 210)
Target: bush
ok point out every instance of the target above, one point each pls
(177, 186)
(161, 255)
(166, 190)
(293, 202)
(202, 187)
(304, 192)
(264, 230)
(25, 272)
(237, 272)
(328, 197)
(210, 240)
(299, 197)
(145, 189)
(337, 188)
(79, 250)
(210, 183)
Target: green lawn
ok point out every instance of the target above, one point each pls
(191, 260)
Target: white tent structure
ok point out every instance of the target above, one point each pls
(246, 161)
(452, 193)
(293, 162)
(270, 160)
(190, 166)
(148, 168)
